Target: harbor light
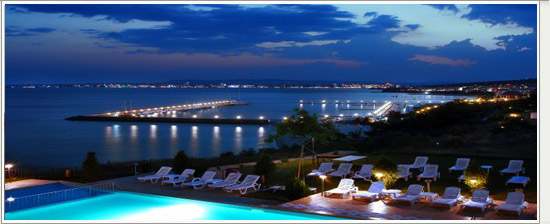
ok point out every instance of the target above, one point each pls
(216, 116)
(355, 114)
(238, 117)
(10, 199)
(341, 115)
(324, 101)
(261, 117)
(195, 116)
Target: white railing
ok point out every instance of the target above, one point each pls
(36, 200)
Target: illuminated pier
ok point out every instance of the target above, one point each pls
(168, 115)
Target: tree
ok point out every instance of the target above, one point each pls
(180, 162)
(91, 167)
(265, 166)
(305, 127)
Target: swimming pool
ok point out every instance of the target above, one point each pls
(141, 207)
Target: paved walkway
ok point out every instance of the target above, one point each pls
(384, 210)
(26, 183)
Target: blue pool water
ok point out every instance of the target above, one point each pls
(140, 207)
(21, 192)
(30, 197)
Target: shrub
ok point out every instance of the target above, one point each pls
(247, 152)
(385, 170)
(296, 189)
(180, 162)
(264, 167)
(91, 167)
(476, 177)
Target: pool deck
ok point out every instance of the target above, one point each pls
(385, 210)
(33, 182)
(131, 184)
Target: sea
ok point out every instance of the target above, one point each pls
(37, 134)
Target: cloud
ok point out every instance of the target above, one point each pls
(299, 44)
(438, 60)
(520, 49)
(441, 25)
(41, 30)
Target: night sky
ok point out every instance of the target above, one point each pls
(404, 43)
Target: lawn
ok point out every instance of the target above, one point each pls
(286, 170)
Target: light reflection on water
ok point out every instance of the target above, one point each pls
(66, 143)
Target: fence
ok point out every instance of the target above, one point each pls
(31, 201)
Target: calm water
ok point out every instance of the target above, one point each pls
(37, 134)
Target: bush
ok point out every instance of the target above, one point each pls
(180, 162)
(476, 177)
(264, 167)
(385, 170)
(91, 167)
(247, 152)
(296, 189)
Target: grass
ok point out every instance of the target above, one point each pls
(287, 170)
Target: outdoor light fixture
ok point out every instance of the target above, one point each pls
(323, 177)
(379, 175)
(285, 118)
(473, 181)
(8, 166)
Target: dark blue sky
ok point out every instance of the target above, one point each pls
(381, 43)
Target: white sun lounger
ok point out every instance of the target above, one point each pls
(324, 168)
(460, 165)
(514, 202)
(372, 193)
(178, 179)
(403, 171)
(345, 187)
(479, 199)
(514, 166)
(450, 197)
(248, 182)
(365, 172)
(518, 180)
(198, 183)
(412, 195)
(158, 175)
(429, 171)
(419, 163)
(343, 170)
(231, 179)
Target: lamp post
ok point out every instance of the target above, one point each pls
(323, 177)
(428, 181)
(8, 166)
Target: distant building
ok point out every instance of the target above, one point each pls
(510, 95)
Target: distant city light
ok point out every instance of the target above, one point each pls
(261, 117)
(216, 116)
(285, 118)
(194, 116)
(10, 199)
(238, 117)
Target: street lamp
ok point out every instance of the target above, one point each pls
(8, 166)
(323, 177)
